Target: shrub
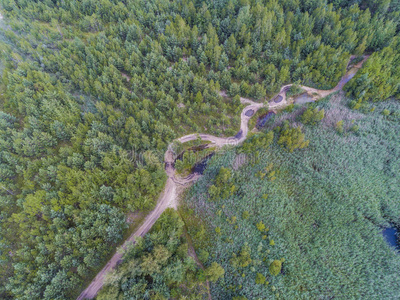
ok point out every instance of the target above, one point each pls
(275, 267)
(289, 108)
(292, 138)
(260, 278)
(355, 128)
(294, 90)
(260, 226)
(312, 116)
(214, 272)
(232, 220)
(339, 126)
(203, 256)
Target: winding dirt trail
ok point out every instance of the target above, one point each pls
(318, 94)
(169, 196)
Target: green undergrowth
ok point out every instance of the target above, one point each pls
(253, 121)
(294, 90)
(190, 158)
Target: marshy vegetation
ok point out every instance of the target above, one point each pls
(324, 207)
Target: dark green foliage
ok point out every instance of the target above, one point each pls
(189, 159)
(71, 179)
(289, 108)
(379, 78)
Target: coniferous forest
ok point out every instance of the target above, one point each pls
(92, 92)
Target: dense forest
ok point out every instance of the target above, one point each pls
(313, 214)
(92, 93)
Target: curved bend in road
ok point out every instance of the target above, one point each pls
(169, 196)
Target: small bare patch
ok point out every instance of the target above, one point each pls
(339, 112)
(240, 160)
(133, 216)
(223, 93)
(181, 105)
(292, 117)
(126, 76)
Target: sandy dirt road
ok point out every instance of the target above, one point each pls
(169, 197)
(166, 200)
(318, 94)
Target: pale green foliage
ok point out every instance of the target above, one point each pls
(203, 256)
(339, 126)
(221, 189)
(214, 272)
(260, 278)
(294, 90)
(292, 138)
(259, 141)
(312, 116)
(243, 259)
(275, 267)
(355, 128)
(260, 226)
